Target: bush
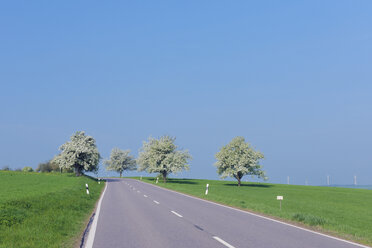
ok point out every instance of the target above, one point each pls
(6, 168)
(50, 167)
(47, 167)
(27, 169)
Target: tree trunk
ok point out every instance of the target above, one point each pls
(237, 177)
(77, 170)
(120, 173)
(164, 177)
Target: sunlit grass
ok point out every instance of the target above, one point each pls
(344, 212)
(44, 209)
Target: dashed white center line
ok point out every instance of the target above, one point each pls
(156, 202)
(223, 242)
(144, 195)
(138, 191)
(177, 214)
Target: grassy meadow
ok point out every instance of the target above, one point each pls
(342, 212)
(44, 209)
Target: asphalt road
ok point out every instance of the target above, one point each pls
(136, 214)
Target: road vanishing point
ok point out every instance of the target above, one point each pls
(134, 214)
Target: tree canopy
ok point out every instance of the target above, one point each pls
(120, 161)
(161, 156)
(80, 154)
(237, 159)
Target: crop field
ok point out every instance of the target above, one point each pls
(342, 212)
(44, 209)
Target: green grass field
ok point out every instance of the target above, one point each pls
(44, 209)
(346, 213)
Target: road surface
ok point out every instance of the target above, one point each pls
(134, 214)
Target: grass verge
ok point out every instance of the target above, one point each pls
(342, 212)
(44, 209)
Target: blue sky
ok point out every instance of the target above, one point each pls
(293, 77)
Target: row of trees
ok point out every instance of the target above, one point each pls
(51, 166)
(24, 169)
(48, 166)
(156, 156)
(236, 159)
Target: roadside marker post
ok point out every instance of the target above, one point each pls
(280, 198)
(99, 181)
(157, 180)
(86, 186)
(206, 190)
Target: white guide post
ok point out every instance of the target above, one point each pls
(280, 198)
(86, 186)
(157, 180)
(206, 190)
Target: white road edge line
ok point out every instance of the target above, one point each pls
(263, 217)
(144, 195)
(92, 231)
(156, 202)
(177, 214)
(223, 242)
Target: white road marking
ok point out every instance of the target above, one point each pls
(263, 217)
(145, 195)
(156, 202)
(177, 214)
(223, 242)
(138, 191)
(92, 231)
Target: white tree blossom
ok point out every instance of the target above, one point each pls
(237, 159)
(120, 161)
(161, 156)
(80, 154)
